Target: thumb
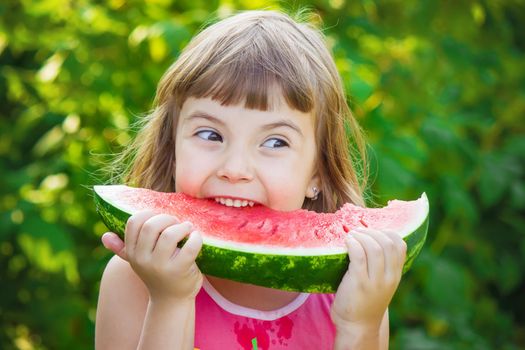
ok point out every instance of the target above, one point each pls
(113, 242)
(191, 249)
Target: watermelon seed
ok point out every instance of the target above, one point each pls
(243, 224)
(261, 224)
(362, 221)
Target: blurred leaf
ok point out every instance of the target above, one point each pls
(458, 202)
(497, 172)
(447, 284)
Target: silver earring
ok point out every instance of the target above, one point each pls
(316, 193)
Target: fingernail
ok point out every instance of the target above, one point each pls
(195, 233)
(107, 234)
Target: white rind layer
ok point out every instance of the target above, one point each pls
(418, 218)
(272, 250)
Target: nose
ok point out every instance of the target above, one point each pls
(235, 167)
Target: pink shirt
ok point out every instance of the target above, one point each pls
(305, 323)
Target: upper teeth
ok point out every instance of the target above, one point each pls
(234, 202)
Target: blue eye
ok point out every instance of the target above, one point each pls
(275, 143)
(209, 135)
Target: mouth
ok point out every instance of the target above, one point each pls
(234, 202)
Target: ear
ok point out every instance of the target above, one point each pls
(314, 182)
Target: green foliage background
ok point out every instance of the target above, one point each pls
(438, 85)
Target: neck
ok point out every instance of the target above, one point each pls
(251, 296)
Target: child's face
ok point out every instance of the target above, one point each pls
(229, 151)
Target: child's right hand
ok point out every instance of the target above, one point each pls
(150, 247)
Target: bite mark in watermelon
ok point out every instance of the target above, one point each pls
(299, 250)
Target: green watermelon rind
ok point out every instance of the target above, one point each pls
(311, 274)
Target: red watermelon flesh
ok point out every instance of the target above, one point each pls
(266, 227)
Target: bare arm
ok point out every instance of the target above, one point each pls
(169, 325)
(148, 291)
(122, 305)
(363, 338)
(360, 308)
(126, 319)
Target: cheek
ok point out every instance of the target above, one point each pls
(286, 186)
(190, 173)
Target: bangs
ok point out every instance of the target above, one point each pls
(252, 70)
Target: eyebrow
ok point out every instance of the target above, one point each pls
(277, 124)
(204, 115)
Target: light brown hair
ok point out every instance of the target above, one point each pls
(237, 60)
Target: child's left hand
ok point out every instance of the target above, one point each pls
(363, 296)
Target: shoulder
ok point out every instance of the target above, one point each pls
(122, 304)
(119, 270)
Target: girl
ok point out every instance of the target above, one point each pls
(252, 112)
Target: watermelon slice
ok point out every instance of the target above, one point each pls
(299, 250)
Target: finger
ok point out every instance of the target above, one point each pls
(150, 232)
(357, 255)
(133, 226)
(400, 246)
(113, 242)
(188, 253)
(166, 246)
(392, 259)
(374, 255)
